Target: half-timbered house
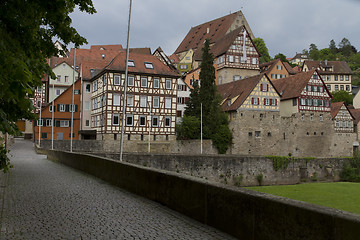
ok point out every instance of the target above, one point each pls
(304, 92)
(343, 120)
(150, 103)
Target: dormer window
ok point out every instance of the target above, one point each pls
(149, 65)
(103, 56)
(131, 63)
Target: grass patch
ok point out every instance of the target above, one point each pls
(341, 195)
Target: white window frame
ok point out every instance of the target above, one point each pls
(157, 101)
(71, 107)
(131, 80)
(40, 122)
(168, 102)
(117, 79)
(168, 83)
(130, 100)
(49, 122)
(64, 123)
(157, 121)
(144, 82)
(116, 99)
(142, 117)
(58, 92)
(129, 116)
(165, 120)
(62, 108)
(149, 65)
(88, 89)
(143, 101)
(87, 123)
(113, 118)
(156, 82)
(131, 63)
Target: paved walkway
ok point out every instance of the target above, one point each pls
(40, 199)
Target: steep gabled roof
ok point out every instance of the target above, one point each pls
(289, 68)
(291, 87)
(212, 30)
(159, 68)
(268, 66)
(356, 115)
(238, 91)
(335, 108)
(88, 66)
(339, 67)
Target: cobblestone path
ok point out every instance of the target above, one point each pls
(40, 199)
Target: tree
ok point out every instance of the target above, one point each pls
(27, 29)
(314, 52)
(346, 48)
(342, 96)
(332, 47)
(215, 123)
(281, 56)
(263, 50)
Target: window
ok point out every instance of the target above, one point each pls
(156, 82)
(64, 123)
(167, 121)
(341, 78)
(302, 116)
(72, 108)
(167, 102)
(131, 81)
(43, 135)
(58, 78)
(257, 133)
(255, 101)
(104, 80)
(308, 102)
(254, 60)
(337, 124)
(131, 63)
(62, 107)
(294, 102)
(155, 121)
(303, 101)
(143, 101)
(266, 102)
(278, 67)
(168, 83)
(142, 121)
(87, 123)
(129, 120)
(315, 102)
(336, 87)
(311, 117)
(264, 87)
(336, 78)
(236, 77)
(39, 89)
(76, 92)
(347, 78)
(144, 82)
(341, 87)
(116, 100)
(58, 92)
(87, 87)
(231, 58)
(347, 87)
(50, 108)
(155, 102)
(39, 122)
(72, 135)
(116, 119)
(66, 79)
(86, 105)
(130, 100)
(321, 117)
(149, 65)
(329, 87)
(117, 78)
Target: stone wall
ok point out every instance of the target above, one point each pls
(242, 213)
(240, 170)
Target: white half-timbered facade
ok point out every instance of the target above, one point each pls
(342, 118)
(150, 103)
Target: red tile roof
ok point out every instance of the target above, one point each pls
(356, 114)
(212, 30)
(291, 87)
(159, 68)
(335, 108)
(240, 89)
(339, 67)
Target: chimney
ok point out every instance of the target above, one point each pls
(208, 30)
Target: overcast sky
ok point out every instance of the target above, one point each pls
(286, 26)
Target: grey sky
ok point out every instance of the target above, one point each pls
(286, 26)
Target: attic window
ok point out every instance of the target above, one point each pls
(229, 102)
(149, 65)
(131, 63)
(103, 56)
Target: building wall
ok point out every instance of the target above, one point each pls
(65, 72)
(226, 75)
(183, 94)
(86, 105)
(278, 71)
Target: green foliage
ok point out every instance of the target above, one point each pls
(5, 161)
(263, 50)
(351, 170)
(215, 122)
(280, 162)
(281, 56)
(25, 43)
(314, 177)
(189, 128)
(342, 96)
(238, 180)
(260, 178)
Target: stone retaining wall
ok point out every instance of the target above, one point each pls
(242, 213)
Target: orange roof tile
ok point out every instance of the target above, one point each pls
(335, 108)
